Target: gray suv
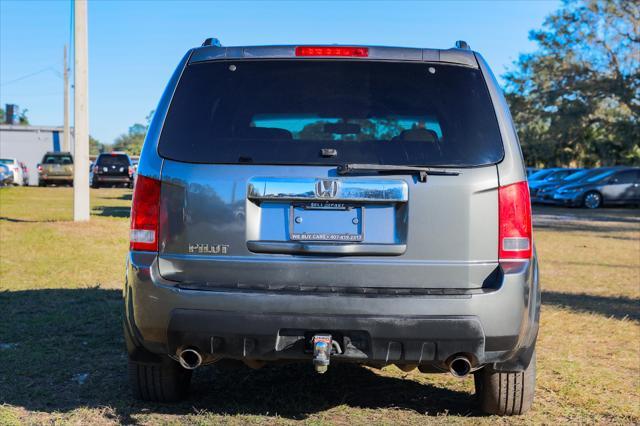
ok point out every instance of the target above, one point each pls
(332, 204)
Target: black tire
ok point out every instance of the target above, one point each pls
(506, 394)
(592, 200)
(95, 185)
(42, 183)
(164, 381)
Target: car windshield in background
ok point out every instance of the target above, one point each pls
(577, 175)
(113, 160)
(6, 161)
(601, 176)
(57, 159)
(558, 175)
(541, 174)
(331, 112)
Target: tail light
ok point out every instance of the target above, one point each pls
(39, 168)
(515, 236)
(145, 214)
(130, 171)
(359, 52)
(96, 169)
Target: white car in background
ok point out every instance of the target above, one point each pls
(16, 168)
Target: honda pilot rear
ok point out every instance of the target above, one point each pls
(329, 204)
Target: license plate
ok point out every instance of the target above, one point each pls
(326, 222)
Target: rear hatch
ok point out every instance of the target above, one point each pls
(57, 165)
(255, 193)
(116, 165)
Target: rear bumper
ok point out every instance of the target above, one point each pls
(112, 179)
(497, 326)
(65, 178)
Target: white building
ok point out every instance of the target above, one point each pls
(29, 144)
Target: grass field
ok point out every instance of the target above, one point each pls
(62, 357)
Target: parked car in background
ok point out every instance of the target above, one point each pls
(544, 191)
(16, 169)
(56, 168)
(111, 169)
(555, 176)
(612, 186)
(25, 174)
(249, 239)
(6, 175)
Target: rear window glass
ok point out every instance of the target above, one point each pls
(5, 161)
(113, 160)
(288, 112)
(57, 159)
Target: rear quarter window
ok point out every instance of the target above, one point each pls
(289, 111)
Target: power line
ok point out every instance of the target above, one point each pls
(50, 68)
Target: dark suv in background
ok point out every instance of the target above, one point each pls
(333, 204)
(111, 169)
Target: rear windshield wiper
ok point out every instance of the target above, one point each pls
(422, 172)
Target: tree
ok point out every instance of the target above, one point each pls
(576, 100)
(22, 118)
(95, 147)
(131, 142)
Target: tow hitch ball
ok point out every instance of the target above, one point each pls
(321, 352)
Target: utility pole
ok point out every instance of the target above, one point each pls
(81, 114)
(66, 141)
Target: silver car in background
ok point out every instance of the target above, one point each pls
(332, 204)
(6, 175)
(16, 169)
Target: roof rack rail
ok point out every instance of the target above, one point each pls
(461, 44)
(212, 42)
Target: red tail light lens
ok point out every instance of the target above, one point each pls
(515, 237)
(358, 52)
(145, 214)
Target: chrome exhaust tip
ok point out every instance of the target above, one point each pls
(190, 358)
(459, 366)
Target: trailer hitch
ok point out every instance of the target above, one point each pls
(322, 346)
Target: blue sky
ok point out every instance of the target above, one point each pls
(135, 45)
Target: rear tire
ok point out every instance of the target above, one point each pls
(592, 200)
(506, 394)
(164, 381)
